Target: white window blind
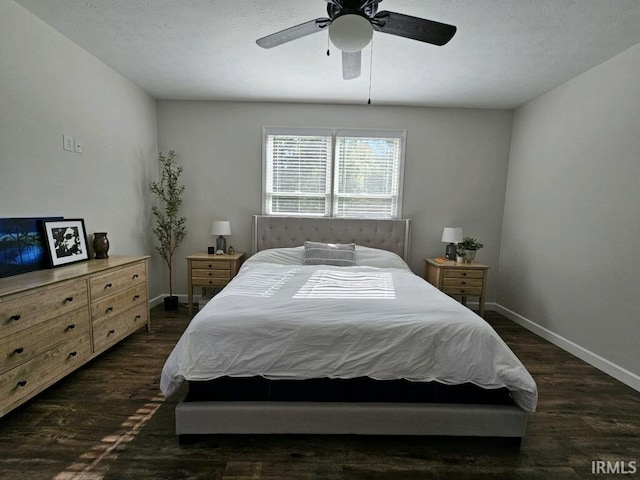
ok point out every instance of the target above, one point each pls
(367, 176)
(341, 173)
(298, 177)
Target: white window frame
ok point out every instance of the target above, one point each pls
(331, 190)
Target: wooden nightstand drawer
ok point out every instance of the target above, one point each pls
(198, 273)
(462, 273)
(209, 282)
(461, 282)
(462, 290)
(211, 265)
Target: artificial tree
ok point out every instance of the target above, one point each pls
(169, 229)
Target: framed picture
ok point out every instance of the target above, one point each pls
(66, 241)
(22, 245)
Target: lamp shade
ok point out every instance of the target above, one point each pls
(350, 32)
(221, 227)
(452, 235)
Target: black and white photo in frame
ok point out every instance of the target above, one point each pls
(66, 241)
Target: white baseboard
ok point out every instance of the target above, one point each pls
(606, 366)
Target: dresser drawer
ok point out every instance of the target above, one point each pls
(22, 312)
(32, 342)
(110, 332)
(116, 281)
(114, 305)
(461, 282)
(38, 373)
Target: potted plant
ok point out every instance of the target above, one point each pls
(169, 229)
(468, 248)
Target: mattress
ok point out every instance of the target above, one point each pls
(282, 320)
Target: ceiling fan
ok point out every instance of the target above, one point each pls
(351, 24)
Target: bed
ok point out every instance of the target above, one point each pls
(325, 330)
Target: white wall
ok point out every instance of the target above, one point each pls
(569, 261)
(49, 87)
(455, 171)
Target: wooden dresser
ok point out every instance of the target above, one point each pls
(458, 279)
(210, 270)
(53, 321)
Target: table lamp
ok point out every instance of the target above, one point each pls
(451, 236)
(220, 228)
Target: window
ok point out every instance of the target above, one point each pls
(340, 173)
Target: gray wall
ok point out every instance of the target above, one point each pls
(50, 87)
(455, 168)
(571, 233)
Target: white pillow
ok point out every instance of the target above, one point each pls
(281, 256)
(375, 257)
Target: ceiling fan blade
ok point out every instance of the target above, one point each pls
(415, 28)
(293, 33)
(351, 63)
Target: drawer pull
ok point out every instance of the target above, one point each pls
(111, 332)
(71, 326)
(108, 285)
(464, 274)
(22, 383)
(19, 350)
(135, 297)
(210, 266)
(463, 283)
(73, 354)
(462, 290)
(109, 309)
(15, 318)
(68, 299)
(135, 275)
(138, 317)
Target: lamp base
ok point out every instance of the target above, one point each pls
(221, 243)
(451, 252)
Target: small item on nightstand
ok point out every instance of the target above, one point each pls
(231, 250)
(219, 252)
(101, 245)
(211, 250)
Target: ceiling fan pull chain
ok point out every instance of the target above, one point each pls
(370, 70)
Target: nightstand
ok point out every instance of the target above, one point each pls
(458, 279)
(205, 270)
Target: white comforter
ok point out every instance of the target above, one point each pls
(299, 322)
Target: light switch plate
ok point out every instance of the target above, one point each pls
(78, 146)
(68, 143)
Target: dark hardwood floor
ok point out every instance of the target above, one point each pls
(108, 420)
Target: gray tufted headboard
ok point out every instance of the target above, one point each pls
(278, 232)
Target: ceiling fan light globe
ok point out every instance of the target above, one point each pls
(350, 32)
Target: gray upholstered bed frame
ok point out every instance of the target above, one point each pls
(370, 418)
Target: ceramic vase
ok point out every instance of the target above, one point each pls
(101, 245)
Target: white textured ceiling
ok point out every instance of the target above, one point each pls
(504, 53)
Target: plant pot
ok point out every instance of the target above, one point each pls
(171, 303)
(469, 256)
